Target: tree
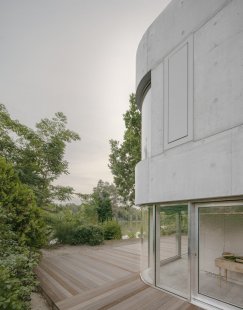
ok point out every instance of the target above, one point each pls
(18, 210)
(21, 232)
(38, 155)
(124, 156)
(102, 202)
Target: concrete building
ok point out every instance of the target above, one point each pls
(190, 179)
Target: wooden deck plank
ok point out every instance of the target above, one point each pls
(78, 273)
(118, 254)
(82, 297)
(134, 249)
(86, 264)
(115, 295)
(51, 286)
(63, 277)
(115, 260)
(95, 276)
(148, 299)
(104, 269)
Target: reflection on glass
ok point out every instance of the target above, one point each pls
(173, 249)
(147, 270)
(221, 253)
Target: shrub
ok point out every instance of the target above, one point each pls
(167, 230)
(17, 280)
(64, 232)
(71, 233)
(21, 232)
(131, 234)
(16, 270)
(112, 230)
(89, 234)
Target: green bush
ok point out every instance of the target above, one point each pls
(71, 233)
(58, 222)
(167, 230)
(112, 230)
(17, 280)
(21, 232)
(16, 270)
(131, 234)
(89, 234)
(64, 232)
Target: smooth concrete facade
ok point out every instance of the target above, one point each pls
(203, 40)
(190, 92)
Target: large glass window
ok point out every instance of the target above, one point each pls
(146, 125)
(147, 256)
(172, 249)
(220, 253)
(214, 273)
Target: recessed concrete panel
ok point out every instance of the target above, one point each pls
(218, 69)
(177, 94)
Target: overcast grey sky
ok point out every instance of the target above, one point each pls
(78, 57)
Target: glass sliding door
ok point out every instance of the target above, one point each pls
(172, 272)
(220, 254)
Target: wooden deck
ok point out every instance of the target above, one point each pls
(104, 277)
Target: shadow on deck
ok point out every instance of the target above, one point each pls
(103, 277)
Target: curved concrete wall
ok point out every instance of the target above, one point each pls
(200, 42)
(172, 26)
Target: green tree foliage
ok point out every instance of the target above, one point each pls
(112, 230)
(18, 208)
(72, 224)
(102, 201)
(21, 232)
(38, 155)
(88, 203)
(89, 213)
(124, 156)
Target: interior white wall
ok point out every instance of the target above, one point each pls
(220, 233)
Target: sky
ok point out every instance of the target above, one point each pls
(77, 57)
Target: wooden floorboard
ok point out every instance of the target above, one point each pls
(100, 278)
(80, 298)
